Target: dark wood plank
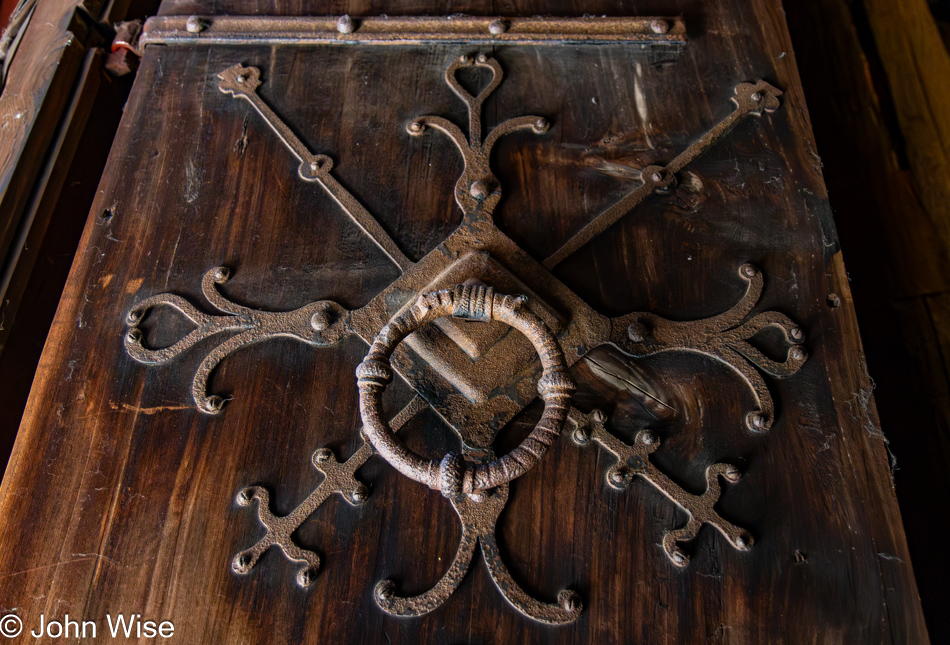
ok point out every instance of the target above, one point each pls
(53, 156)
(133, 491)
(57, 215)
(36, 91)
(917, 65)
(897, 257)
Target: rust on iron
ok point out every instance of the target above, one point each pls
(253, 326)
(723, 338)
(634, 461)
(479, 515)
(242, 82)
(751, 99)
(382, 30)
(477, 189)
(451, 475)
(462, 370)
(338, 478)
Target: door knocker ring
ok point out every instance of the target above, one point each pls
(453, 476)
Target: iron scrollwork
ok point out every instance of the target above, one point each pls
(562, 327)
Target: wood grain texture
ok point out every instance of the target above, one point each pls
(120, 496)
(918, 71)
(36, 92)
(897, 258)
(57, 215)
(51, 155)
(37, 89)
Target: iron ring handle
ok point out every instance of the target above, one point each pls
(453, 475)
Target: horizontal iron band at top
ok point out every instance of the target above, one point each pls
(384, 30)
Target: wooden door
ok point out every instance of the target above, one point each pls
(314, 233)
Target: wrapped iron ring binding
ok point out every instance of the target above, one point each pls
(452, 475)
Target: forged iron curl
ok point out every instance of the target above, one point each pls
(723, 338)
(317, 323)
(479, 517)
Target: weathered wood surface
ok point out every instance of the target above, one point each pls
(59, 113)
(898, 260)
(58, 212)
(35, 93)
(120, 496)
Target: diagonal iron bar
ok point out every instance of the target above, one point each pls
(242, 82)
(750, 99)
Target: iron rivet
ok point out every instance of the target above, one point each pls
(322, 455)
(618, 477)
(479, 189)
(240, 563)
(221, 275)
(657, 177)
(679, 557)
(482, 58)
(756, 97)
(345, 25)
(637, 332)
(243, 498)
(659, 26)
(497, 27)
(796, 353)
(742, 541)
(541, 125)
(580, 437)
(749, 271)
(384, 590)
(241, 78)
(465, 60)
(320, 321)
(732, 474)
(415, 126)
(478, 496)
(796, 333)
(648, 438)
(360, 494)
(569, 601)
(134, 316)
(134, 335)
(305, 578)
(598, 416)
(214, 403)
(194, 25)
(756, 421)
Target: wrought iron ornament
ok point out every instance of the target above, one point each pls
(402, 30)
(463, 279)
